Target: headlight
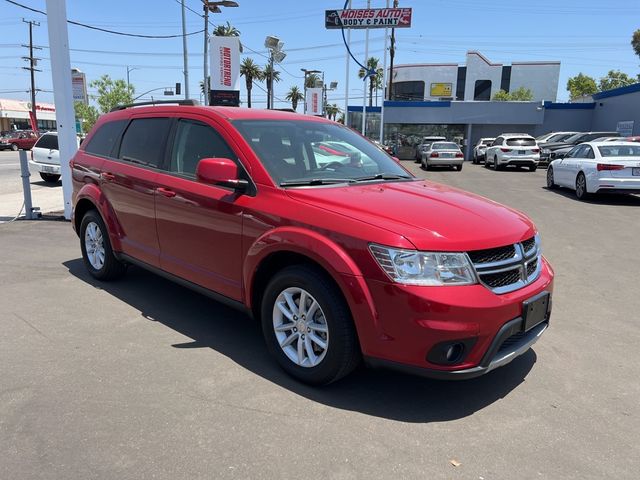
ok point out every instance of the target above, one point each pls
(412, 267)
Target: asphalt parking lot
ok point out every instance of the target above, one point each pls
(142, 378)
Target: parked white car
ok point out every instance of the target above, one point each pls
(45, 157)
(480, 149)
(598, 167)
(446, 154)
(519, 149)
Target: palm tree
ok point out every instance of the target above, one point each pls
(269, 78)
(332, 111)
(251, 71)
(312, 79)
(376, 79)
(294, 96)
(226, 30)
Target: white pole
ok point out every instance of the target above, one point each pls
(185, 55)
(63, 97)
(384, 82)
(366, 57)
(346, 80)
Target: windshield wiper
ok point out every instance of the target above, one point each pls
(316, 181)
(383, 176)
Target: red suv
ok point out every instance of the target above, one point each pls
(340, 257)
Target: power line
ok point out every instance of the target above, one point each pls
(114, 32)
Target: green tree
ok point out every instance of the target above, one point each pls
(250, 71)
(269, 78)
(226, 30)
(375, 81)
(615, 79)
(501, 96)
(312, 79)
(87, 114)
(294, 96)
(332, 111)
(635, 42)
(521, 94)
(112, 93)
(581, 85)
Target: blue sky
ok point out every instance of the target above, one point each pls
(585, 36)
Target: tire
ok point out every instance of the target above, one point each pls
(550, 180)
(49, 177)
(581, 187)
(14, 147)
(100, 260)
(496, 167)
(301, 356)
(459, 168)
(533, 168)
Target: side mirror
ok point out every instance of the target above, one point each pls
(220, 171)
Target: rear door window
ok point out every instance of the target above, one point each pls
(103, 141)
(49, 142)
(144, 141)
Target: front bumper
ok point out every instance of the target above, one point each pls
(414, 321)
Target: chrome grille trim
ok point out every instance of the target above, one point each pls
(519, 262)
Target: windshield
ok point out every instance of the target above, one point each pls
(558, 137)
(620, 151)
(574, 139)
(488, 141)
(312, 153)
(444, 146)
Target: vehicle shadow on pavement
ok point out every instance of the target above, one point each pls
(605, 199)
(379, 393)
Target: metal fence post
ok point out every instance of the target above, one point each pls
(26, 185)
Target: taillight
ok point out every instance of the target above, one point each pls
(434, 155)
(505, 149)
(535, 150)
(609, 166)
(459, 155)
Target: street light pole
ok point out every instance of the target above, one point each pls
(205, 82)
(185, 58)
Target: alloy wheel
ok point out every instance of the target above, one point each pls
(94, 245)
(300, 327)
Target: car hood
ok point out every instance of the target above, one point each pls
(430, 215)
(555, 145)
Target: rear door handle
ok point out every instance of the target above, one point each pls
(108, 177)
(166, 192)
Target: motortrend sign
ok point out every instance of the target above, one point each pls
(368, 18)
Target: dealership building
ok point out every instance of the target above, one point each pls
(14, 115)
(477, 80)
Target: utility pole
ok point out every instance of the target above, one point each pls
(392, 52)
(205, 82)
(184, 54)
(32, 68)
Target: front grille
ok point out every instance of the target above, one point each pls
(507, 268)
(512, 340)
(492, 254)
(529, 244)
(502, 279)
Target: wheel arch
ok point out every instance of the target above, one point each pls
(91, 197)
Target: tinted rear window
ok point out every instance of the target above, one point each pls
(47, 141)
(521, 142)
(620, 151)
(102, 142)
(144, 141)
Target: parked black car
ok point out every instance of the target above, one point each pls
(550, 151)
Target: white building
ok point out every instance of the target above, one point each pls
(14, 115)
(479, 79)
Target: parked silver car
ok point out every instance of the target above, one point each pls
(446, 154)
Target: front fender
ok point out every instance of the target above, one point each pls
(90, 192)
(328, 254)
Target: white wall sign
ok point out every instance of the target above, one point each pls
(314, 101)
(224, 62)
(625, 129)
(79, 86)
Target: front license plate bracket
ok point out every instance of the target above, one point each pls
(535, 310)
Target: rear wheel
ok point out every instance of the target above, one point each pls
(533, 168)
(96, 248)
(459, 168)
(14, 147)
(49, 177)
(550, 180)
(581, 187)
(307, 326)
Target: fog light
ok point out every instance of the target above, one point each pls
(454, 352)
(451, 352)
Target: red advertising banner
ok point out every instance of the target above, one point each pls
(368, 18)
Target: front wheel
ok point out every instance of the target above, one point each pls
(96, 248)
(551, 184)
(49, 177)
(307, 326)
(14, 147)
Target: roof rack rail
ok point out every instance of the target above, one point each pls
(189, 101)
